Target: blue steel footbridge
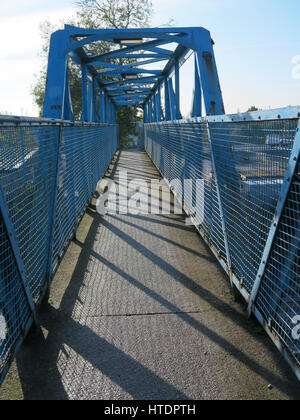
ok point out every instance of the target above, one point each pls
(248, 164)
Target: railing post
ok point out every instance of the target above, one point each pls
(287, 182)
(223, 219)
(53, 210)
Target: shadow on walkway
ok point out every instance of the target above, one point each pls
(65, 333)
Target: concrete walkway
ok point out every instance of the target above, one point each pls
(139, 309)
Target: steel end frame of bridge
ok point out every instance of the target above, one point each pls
(248, 165)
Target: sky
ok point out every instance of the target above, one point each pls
(257, 48)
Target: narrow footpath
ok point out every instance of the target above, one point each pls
(139, 309)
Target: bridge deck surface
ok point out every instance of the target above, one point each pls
(140, 309)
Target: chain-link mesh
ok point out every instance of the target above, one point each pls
(14, 308)
(245, 162)
(27, 175)
(48, 173)
(279, 295)
(251, 162)
(183, 152)
(82, 163)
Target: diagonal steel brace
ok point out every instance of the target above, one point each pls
(287, 183)
(16, 251)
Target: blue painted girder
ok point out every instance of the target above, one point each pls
(119, 72)
(125, 52)
(132, 81)
(109, 94)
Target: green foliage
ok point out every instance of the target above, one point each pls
(127, 119)
(38, 90)
(115, 14)
(76, 90)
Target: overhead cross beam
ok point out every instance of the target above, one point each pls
(139, 80)
(133, 70)
(121, 77)
(125, 52)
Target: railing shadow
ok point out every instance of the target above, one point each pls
(38, 359)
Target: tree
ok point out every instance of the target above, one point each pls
(115, 14)
(252, 108)
(126, 118)
(95, 14)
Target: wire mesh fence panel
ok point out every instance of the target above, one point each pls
(140, 135)
(27, 176)
(182, 152)
(242, 166)
(85, 153)
(48, 173)
(279, 294)
(228, 174)
(251, 162)
(14, 308)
